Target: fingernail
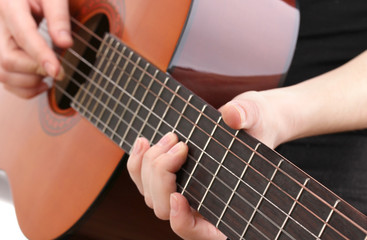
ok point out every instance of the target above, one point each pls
(64, 36)
(174, 204)
(175, 148)
(240, 111)
(60, 76)
(50, 69)
(137, 146)
(166, 139)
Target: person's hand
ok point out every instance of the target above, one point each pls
(25, 57)
(153, 168)
(263, 115)
(153, 171)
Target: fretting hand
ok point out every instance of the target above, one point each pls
(153, 168)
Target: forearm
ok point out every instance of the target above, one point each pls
(332, 102)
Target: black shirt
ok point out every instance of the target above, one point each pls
(332, 32)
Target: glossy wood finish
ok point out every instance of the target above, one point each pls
(246, 45)
(56, 177)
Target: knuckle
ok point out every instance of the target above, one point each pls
(7, 62)
(157, 164)
(149, 155)
(161, 214)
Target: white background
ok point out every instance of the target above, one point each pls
(9, 229)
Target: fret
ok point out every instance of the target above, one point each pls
(262, 197)
(216, 174)
(239, 181)
(144, 96)
(168, 107)
(108, 92)
(98, 81)
(219, 165)
(188, 139)
(122, 93)
(164, 113)
(118, 99)
(196, 123)
(209, 211)
(151, 110)
(121, 72)
(292, 208)
(183, 110)
(140, 103)
(129, 101)
(328, 218)
(201, 161)
(153, 107)
(215, 202)
(201, 155)
(82, 93)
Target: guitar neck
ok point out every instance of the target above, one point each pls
(241, 186)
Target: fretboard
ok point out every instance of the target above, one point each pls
(237, 183)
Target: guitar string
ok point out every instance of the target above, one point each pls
(188, 192)
(330, 206)
(316, 216)
(226, 185)
(298, 203)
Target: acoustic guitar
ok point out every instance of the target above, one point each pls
(128, 75)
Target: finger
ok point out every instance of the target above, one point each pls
(20, 80)
(58, 21)
(190, 225)
(240, 114)
(135, 162)
(164, 182)
(167, 142)
(27, 93)
(26, 35)
(12, 58)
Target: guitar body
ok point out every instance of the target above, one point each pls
(58, 163)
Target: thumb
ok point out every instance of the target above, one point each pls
(240, 114)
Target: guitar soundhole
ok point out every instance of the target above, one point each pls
(74, 60)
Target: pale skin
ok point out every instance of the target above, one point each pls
(333, 102)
